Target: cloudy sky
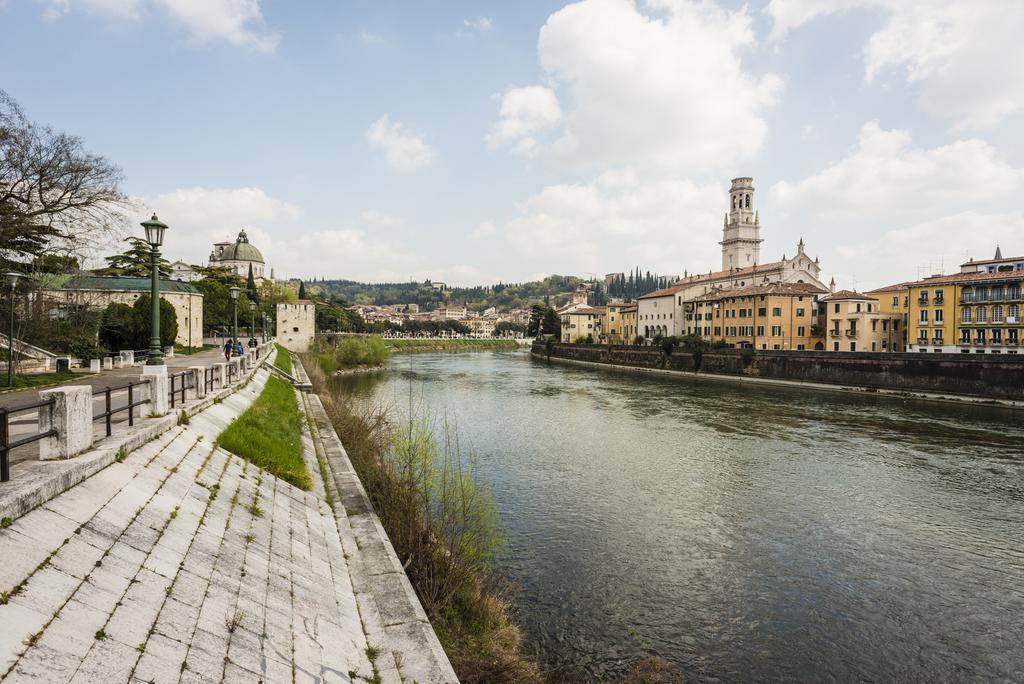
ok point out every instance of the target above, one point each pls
(478, 141)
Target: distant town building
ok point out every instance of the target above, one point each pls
(239, 256)
(449, 313)
(62, 291)
(582, 322)
(994, 265)
(296, 325)
(184, 272)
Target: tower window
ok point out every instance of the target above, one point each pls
(748, 201)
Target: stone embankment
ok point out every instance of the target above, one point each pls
(970, 377)
(180, 562)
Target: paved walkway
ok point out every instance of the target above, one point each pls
(181, 563)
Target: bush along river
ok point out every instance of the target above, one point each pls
(740, 532)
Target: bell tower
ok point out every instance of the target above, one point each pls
(741, 233)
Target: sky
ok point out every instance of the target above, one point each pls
(476, 142)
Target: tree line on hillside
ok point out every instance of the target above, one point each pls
(636, 284)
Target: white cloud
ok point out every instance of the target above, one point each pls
(965, 55)
(476, 26)
(239, 22)
(404, 149)
(524, 112)
(367, 37)
(381, 219)
(662, 90)
(888, 212)
(618, 220)
(884, 177)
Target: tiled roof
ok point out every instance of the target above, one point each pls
(791, 289)
(714, 275)
(977, 276)
(898, 287)
(844, 294)
(130, 283)
(587, 310)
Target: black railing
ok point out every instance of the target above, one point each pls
(209, 379)
(108, 408)
(184, 381)
(6, 445)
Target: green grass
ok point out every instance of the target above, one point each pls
(283, 360)
(269, 434)
(353, 352)
(30, 380)
(411, 346)
(181, 350)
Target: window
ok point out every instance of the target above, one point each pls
(837, 311)
(938, 315)
(799, 312)
(924, 316)
(776, 331)
(853, 346)
(800, 331)
(776, 311)
(965, 315)
(858, 307)
(895, 302)
(762, 311)
(760, 331)
(981, 315)
(874, 347)
(835, 346)
(997, 314)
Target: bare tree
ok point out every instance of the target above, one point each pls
(55, 197)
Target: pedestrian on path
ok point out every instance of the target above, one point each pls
(227, 351)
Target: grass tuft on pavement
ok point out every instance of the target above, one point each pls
(269, 434)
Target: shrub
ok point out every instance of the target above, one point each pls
(86, 349)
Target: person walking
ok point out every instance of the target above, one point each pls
(239, 349)
(227, 351)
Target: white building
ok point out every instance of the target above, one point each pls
(296, 325)
(239, 256)
(184, 272)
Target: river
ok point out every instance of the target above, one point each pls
(741, 532)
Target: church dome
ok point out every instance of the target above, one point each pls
(242, 250)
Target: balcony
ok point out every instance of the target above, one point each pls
(851, 332)
(938, 340)
(923, 301)
(939, 301)
(1011, 343)
(834, 332)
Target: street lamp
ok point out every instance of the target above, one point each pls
(12, 278)
(252, 323)
(155, 237)
(234, 290)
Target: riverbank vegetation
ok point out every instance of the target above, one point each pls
(269, 434)
(283, 359)
(432, 345)
(443, 527)
(348, 353)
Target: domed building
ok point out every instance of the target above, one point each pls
(239, 256)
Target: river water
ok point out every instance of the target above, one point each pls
(741, 532)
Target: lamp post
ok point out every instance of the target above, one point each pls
(252, 323)
(234, 290)
(155, 237)
(12, 278)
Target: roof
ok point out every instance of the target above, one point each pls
(129, 283)
(746, 270)
(844, 294)
(241, 250)
(898, 287)
(627, 308)
(970, 277)
(785, 289)
(663, 292)
(586, 310)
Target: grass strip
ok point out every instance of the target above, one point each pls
(283, 360)
(269, 434)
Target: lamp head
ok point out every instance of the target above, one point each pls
(234, 290)
(12, 278)
(155, 229)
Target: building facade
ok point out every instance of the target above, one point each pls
(239, 256)
(100, 291)
(773, 316)
(971, 312)
(582, 322)
(895, 301)
(296, 325)
(855, 322)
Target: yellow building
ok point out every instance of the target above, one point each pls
(968, 312)
(582, 322)
(770, 316)
(855, 322)
(895, 300)
(615, 326)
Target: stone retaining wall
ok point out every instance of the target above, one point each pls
(987, 376)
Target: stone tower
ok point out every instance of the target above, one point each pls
(741, 234)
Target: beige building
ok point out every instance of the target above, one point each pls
(581, 322)
(238, 256)
(774, 316)
(856, 322)
(619, 323)
(296, 325)
(99, 291)
(480, 327)
(895, 301)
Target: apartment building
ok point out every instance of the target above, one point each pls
(855, 322)
(581, 322)
(770, 316)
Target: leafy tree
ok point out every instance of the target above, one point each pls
(135, 261)
(117, 327)
(217, 305)
(55, 263)
(143, 320)
(504, 327)
(54, 196)
(536, 318)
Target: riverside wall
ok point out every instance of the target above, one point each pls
(989, 376)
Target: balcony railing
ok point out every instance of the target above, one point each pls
(939, 301)
(850, 332)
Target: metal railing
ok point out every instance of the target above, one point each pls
(109, 411)
(209, 378)
(6, 445)
(184, 381)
